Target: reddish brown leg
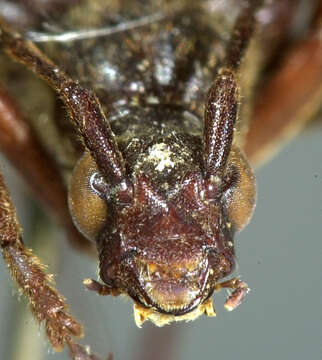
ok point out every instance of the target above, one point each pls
(79, 352)
(46, 303)
(240, 290)
(22, 148)
(291, 97)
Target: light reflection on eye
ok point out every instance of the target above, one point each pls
(98, 185)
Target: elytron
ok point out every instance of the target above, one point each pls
(152, 109)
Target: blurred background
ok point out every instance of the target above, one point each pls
(279, 255)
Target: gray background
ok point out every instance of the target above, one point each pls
(279, 255)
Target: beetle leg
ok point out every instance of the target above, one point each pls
(83, 106)
(290, 98)
(79, 352)
(237, 296)
(46, 303)
(24, 151)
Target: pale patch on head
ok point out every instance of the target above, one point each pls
(159, 154)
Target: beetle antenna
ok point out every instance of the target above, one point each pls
(222, 100)
(82, 105)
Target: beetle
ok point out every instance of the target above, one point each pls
(177, 185)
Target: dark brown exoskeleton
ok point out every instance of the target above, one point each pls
(161, 201)
(162, 185)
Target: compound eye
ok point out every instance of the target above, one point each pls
(240, 199)
(88, 210)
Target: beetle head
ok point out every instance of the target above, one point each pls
(169, 255)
